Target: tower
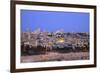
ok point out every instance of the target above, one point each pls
(28, 35)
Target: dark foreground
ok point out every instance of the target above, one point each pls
(55, 56)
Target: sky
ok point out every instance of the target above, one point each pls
(52, 21)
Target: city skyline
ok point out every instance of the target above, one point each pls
(52, 21)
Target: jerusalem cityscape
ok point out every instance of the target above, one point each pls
(41, 46)
(50, 36)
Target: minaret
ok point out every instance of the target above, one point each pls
(29, 34)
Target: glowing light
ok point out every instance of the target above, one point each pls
(61, 40)
(50, 43)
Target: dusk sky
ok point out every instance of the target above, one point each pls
(52, 21)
